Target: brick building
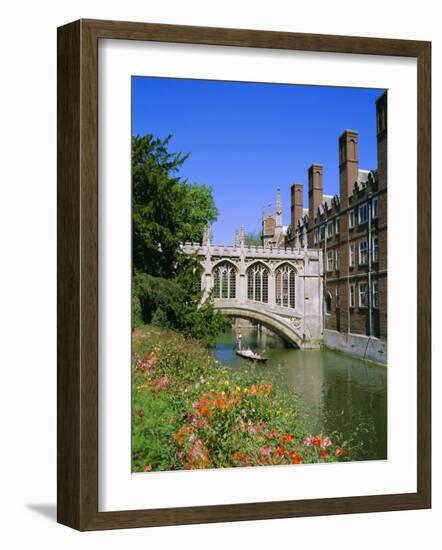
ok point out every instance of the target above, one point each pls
(351, 230)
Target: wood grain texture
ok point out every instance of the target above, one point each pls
(68, 276)
(77, 225)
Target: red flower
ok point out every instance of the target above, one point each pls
(286, 438)
(295, 458)
(323, 453)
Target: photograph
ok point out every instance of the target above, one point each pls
(259, 274)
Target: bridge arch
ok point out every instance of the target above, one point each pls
(283, 329)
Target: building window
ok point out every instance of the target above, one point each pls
(322, 232)
(224, 284)
(337, 259)
(329, 230)
(352, 259)
(316, 235)
(363, 295)
(375, 249)
(363, 253)
(375, 207)
(375, 293)
(338, 301)
(330, 260)
(338, 225)
(285, 286)
(328, 302)
(258, 283)
(352, 295)
(363, 213)
(351, 218)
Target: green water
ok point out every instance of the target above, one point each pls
(338, 393)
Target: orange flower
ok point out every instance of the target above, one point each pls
(266, 389)
(286, 438)
(182, 433)
(203, 405)
(280, 451)
(295, 458)
(323, 453)
(220, 402)
(340, 451)
(239, 456)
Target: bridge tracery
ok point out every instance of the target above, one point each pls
(285, 275)
(279, 288)
(224, 280)
(258, 282)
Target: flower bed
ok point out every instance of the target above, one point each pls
(190, 412)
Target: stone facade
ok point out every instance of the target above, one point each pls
(280, 288)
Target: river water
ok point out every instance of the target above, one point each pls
(338, 393)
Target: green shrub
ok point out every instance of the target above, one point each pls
(172, 303)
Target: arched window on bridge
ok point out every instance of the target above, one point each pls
(224, 280)
(258, 283)
(285, 286)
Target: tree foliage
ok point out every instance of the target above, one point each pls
(168, 211)
(253, 238)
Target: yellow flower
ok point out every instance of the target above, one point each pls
(226, 382)
(238, 388)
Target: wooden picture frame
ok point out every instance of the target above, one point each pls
(77, 387)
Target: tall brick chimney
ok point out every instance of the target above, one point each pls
(381, 124)
(348, 163)
(315, 190)
(297, 202)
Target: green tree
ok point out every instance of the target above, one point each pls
(167, 210)
(253, 238)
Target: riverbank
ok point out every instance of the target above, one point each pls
(189, 411)
(368, 348)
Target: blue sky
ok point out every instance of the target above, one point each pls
(247, 139)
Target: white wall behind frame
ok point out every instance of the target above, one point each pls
(27, 220)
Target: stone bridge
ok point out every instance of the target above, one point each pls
(281, 289)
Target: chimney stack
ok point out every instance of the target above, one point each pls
(381, 123)
(315, 190)
(348, 164)
(297, 192)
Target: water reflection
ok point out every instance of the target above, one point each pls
(339, 393)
